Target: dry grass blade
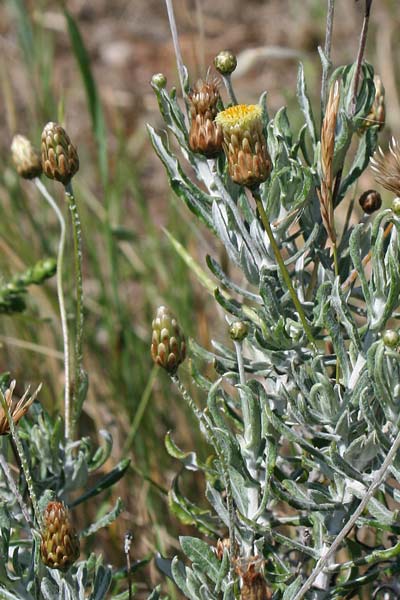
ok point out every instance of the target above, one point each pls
(326, 161)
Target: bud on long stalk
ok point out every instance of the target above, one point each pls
(168, 345)
(25, 157)
(59, 157)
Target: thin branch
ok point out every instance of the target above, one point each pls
(360, 56)
(326, 66)
(177, 48)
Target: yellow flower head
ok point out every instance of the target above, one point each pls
(244, 144)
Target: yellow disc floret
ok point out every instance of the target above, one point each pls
(241, 116)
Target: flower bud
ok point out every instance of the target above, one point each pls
(370, 201)
(238, 331)
(26, 159)
(159, 80)
(390, 338)
(59, 157)
(396, 206)
(205, 135)
(59, 547)
(225, 62)
(168, 345)
(244, 144)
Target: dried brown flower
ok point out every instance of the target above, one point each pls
(17, 409)
(326, 161)
(205, 135)
(386, 167)
(370, 201)
(253, 586)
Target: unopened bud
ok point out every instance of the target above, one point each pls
(370, 201)
(225, 62)
(26, 159)
(59, 547)
(396, 206)
(59, 157)
(238, 331)
(159, 80)
(168, 345)
(390, 338)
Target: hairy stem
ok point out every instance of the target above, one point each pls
(227, 79)
(61, 302)
(377, 482)
(78, 359)
(283, 269)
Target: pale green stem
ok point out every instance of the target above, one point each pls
(202, 419)
(140, 410)
(61, 303)
(229, 88)
(15, 490)
(379, 478)
(77, 236)
(283, 269)
(22, 457)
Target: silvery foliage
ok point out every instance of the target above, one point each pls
(58, 470)
(295, 448)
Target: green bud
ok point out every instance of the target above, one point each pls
(44, 269)
(238, 331)
(396, 206)
(168, 345)
(390, 338)
(159, 80)
(225, 62)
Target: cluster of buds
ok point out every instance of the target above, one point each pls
(168, 345)
(244, 144)
(59, 158)
(205, 135)
(59, 546)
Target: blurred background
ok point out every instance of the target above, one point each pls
(130, 266)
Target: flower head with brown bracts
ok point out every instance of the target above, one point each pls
(59, 156)
(59, 547)
(244, 144)
(205, 135)
(25, 157)
(168, 345)
(17, 409)
(386, 167)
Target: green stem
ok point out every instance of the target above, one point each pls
(283, 269)
(22, 457)
(229, 88)
(61, 302)
(77, 235)
(140, 410)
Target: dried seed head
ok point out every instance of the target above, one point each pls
(377, 114)
(59, 157)
(205, 135)
(17, 409)
(59, 547)
(25, 157)
(390, 338)
(253, 586)
(225, 62)
(386, 167)
(370, 201)
(238, 331)
(168, 345)
(244, 144)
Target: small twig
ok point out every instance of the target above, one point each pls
(326, 67)
(377, 482)
(360, 56)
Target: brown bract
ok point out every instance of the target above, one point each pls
(17, 409)
(386, 167)
(244, 144)
(25, 157)
(205, 136)
(59, 547)
(168, 345)
(59, 157)
(253, 586)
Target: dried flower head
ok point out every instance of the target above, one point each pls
(221, 546)
(253, 586)
(386, 167)
(244, 144)
(17, 409)
(205, 135)
(59, 547)
(326, 161)
(25, 157)
(168, 345)
(59, 157)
